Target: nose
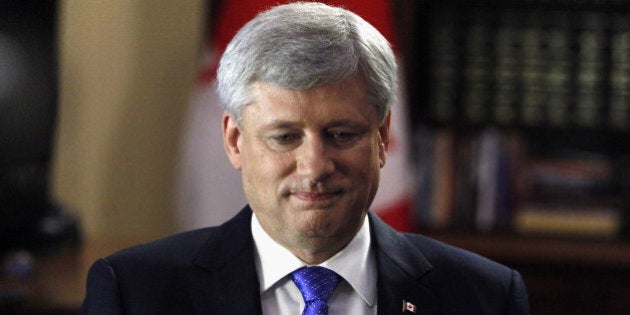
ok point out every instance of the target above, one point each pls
(314, 159)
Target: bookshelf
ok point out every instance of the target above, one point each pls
(555, 64)
(520, 113)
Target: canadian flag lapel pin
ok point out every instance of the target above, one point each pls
(408, 307)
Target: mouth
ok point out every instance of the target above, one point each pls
(316, 197)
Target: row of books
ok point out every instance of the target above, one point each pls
(529, 67)
(498, 179)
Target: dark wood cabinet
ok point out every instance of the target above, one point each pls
(563, 276)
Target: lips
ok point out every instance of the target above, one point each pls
(315, 196)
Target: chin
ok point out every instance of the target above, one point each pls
(315, 224)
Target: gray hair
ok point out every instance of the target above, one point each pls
(304, 45)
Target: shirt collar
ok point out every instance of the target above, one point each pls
(355, 263)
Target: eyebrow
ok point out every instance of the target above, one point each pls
(347, 122)
(287, 124)
(280, 124)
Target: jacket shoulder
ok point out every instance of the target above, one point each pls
(447, 256)
(488, 285)
(455, 265)
(185, 247)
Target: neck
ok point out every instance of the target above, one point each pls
(316, 257)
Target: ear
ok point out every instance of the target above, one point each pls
(384, 134)
(232, 140)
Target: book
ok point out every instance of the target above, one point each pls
(433, 204)
(568, 221)
(570, 193)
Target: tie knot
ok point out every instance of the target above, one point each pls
(316, 284)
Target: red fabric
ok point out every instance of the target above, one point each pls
(234, 14)
(398, 215)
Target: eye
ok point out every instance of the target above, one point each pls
(284, 139)
(283, 142)
(343, 137)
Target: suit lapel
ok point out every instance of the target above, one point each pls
(400, 270)
(225, 280)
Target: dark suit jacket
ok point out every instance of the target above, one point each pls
(212, 271)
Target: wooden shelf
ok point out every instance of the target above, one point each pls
(58, 283)
(541, 250)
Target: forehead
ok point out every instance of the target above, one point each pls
(347, 99)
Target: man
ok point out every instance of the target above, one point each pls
(307, 90)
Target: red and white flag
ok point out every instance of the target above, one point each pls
(209, 189)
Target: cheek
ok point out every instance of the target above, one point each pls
(264, 168)
(363, 166)
(372, 157)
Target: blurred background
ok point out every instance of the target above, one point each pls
(93, 96)
(511, 137)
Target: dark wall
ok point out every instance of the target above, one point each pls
(28, 104)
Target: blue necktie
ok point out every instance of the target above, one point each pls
(316, 285)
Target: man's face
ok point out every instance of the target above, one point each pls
(310, 163)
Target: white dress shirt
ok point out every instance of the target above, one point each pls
(355, 293)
